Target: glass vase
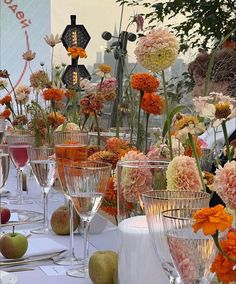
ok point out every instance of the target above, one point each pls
(137, 262)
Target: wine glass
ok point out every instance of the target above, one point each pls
(43, 168)
(86, 183)
(192, 253)
(68, 154)
(157, 201)
(18, 148)
(4, 171)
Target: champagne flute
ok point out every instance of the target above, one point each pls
(68, 154)
(86, 183)
(44, 171)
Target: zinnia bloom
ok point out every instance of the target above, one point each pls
(6, 100)
(107, 86)
(53, 94)
(225, 184)
(6, 113)
(55, 119)
(91, 103)
(118, 146)
(222, 110)
(222, 266)
(188, 151)
(144, 82)
(39, 80)
(75, 52)
(103, 70)
(105, 156)
(153, 103)
(182, 174)
(109, 204)
(157, 50)
(212, 219)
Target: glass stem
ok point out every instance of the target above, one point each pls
(19, 185)
(45, 209)
(86, 249)
(71, 210)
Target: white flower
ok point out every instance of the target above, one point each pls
(22, 94)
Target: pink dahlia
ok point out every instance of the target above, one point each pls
(225, 184)
(135, 179)
(182, 174)
(107, 86)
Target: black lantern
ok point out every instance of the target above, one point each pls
(74, 36)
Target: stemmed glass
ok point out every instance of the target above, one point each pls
(86, 183)
(4, 171)
(68, 154)
(157, 201)
(18, 147)
(43, 168)
(192, 253)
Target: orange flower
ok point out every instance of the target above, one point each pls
(70, 94)
(144, 82)
(53, 94)
(105, 68)
(153, 103)
(6, 113)
(5, 100)
(109, 204)
(118, 146)
(188, 151)
(75, 52)
(55, 119)
(222, 266)
(212, 219)
(105, 156)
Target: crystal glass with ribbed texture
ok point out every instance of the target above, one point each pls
(155, 202)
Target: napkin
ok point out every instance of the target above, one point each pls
(43, 246)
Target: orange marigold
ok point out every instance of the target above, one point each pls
(105, 156)
(53, 94)
(118, 146)
(144, 82)
(5, 100)
(109, 204)
(105, 68)
(6, 113)
(75, 52)
(55, 119)
(212, 219)
(222, 266)
(153, 103)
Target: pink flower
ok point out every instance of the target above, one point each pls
(107, 86)
(182, 174)
(225, 184)
(135, 180)
(139, 20)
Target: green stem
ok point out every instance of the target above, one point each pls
(226, 140)
(167, 114)
(98, 129)
(139, 116)
(146, 133)
(216, 241)
(193, 146)
(13, 90)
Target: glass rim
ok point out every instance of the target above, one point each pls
(145, 163)
(42, 147)
(4, 154)
(151, 194)
(79, 165)
(20, 145)
(75, 131)
(166, 215)
(77, 144)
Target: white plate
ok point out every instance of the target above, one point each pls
(7, 278)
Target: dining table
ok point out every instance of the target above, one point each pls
(41, 269)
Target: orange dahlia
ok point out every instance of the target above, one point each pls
(53, 94)
(55, 119)
(144, 82)
(153, 103)
(6, 113)
(75, 52)
(188, 151)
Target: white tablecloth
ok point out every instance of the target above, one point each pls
(107, 240)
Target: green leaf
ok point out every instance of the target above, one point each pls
(172, 114)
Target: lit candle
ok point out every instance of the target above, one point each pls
(138, 263)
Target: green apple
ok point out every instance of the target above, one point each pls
(13, 245)
(60, 220)
(102, 267)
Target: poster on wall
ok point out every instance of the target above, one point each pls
(23, 26)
